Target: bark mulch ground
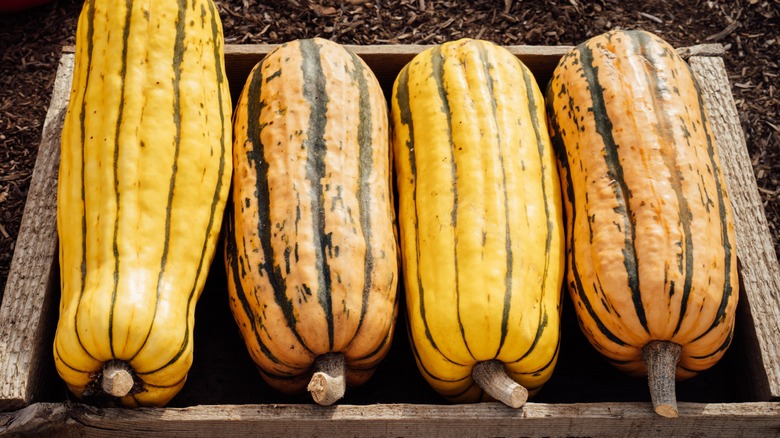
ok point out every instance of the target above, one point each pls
(31, 41)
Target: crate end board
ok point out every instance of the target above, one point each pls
(387, 60)
(482, 419)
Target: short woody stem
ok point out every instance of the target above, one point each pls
(327, 384)
(661, 359)
(493, 379)
(117, 379)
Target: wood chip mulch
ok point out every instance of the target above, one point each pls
(30, 44)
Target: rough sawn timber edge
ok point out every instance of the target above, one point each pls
(759, 271)
(482, 419)
(28, 307)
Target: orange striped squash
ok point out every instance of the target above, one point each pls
(311, 251)
(650, 234)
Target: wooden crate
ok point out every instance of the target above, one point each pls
(225, 395)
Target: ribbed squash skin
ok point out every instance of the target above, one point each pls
(650, 236)
(479, 215)
(143, 182)
(311, 251)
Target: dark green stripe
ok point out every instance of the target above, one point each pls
(377, 350)
(487, 66)
(365, 168)
(316, 94)
(287, 378)
(172, 385)
(402, 99)
(232, 259)
(178, 54)
(464, 391)
(548, 364)
(274, 75)
(437, 74)
(114, 243)
(542, 324)
(704, 196)
(82, 146)
(644, 44)
(218, 57)
(615, 172)
(722, 347)
(543, 321)
(617, 361)
(688, 369)
(720, 315)
(223, 152)
(598, 287)
(218, 66)
(256, 157)
(62, 360)
(421, 364)
(575, 286)
(386, 340)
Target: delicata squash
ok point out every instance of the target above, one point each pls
(652, 266)
(143, 181)
(311, 251)
(480, 222)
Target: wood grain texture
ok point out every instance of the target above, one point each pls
(701, 50)
(387, 60)
(757, 260)
(484, 419)
(27, 311)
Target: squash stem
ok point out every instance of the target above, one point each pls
(327, 384)
(493, 379)
(661, 359)
(117, 378)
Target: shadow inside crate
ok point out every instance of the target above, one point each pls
(223, 372)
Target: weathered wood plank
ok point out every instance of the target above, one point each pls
(484, 419)
(27, 309)
(701, 50)
(758, 265)
(384, 60)
(387, 60)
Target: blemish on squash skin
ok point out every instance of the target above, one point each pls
(273, 76)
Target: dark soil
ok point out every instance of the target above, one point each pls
(31, 41)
